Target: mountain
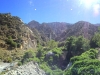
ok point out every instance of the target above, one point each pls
(13, 27)
(58, 27)
(22, 42)
(59, 31)
(98, 24)
(15, 37)
(81, 28)
(50, 30)
(40, 33)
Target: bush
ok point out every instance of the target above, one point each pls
(95, 41)
(76, 45)
(11, 42)
(8, 59)
(85, 64)
(19, 63)
(28, 56)
(14, 44)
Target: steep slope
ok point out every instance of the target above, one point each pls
(14, 31)
(15, 37)
(41, 39)
(82, 28)
(59, 27)
(59, 31)
(50, 30)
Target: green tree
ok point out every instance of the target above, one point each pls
(52, 44)
(85, 64)
(28, 56)
(70, 43)
(40, 51)
(82, 45)
(76, 45)
(95, 41)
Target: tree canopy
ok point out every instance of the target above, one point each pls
(76, 45)
(95, 41)
(85, 64)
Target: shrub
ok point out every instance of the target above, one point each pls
(28, 56)
(14, 44)
(85, 64)
(8, 59)
(19, 63)
(11, 42)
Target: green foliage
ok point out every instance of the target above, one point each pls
(95, 41)
(70, 43)
(57, 50)
(9, 25)
(8, 59)
(36, 59)
(49, 71)
(40, 52)
(48, 62)
(85, 64)
(91, 54)
(57, 72)
(9, 37)
(77, 45)
(19, 63)
(52, 44)
(14, 44)
(28, 56)
(11, 42)
(44, 67)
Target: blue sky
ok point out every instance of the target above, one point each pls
(69, 11)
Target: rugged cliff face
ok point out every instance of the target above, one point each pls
(28, 39)
(30, 68)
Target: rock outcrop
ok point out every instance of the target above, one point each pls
(30, 68)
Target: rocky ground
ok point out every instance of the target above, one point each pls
(30, 68)
(3, 66)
